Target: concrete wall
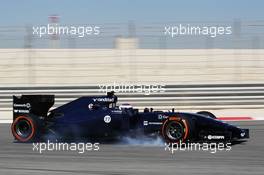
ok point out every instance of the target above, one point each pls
(30, 67)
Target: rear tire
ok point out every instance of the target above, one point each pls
(175, 129)
(206, 113)
(26, 128)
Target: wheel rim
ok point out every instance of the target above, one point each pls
(175, 130)
(23, 128)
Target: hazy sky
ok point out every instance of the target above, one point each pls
(20, 12)
(149, 17)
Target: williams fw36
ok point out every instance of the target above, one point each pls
(99, 117)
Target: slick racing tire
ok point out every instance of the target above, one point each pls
(206, 113)
(175, 129)
(26, 128)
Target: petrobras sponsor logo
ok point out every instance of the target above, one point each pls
(103, 99)
(155, 123)
(25, 105)
(146, 123)
(215, 137)
(162, 116)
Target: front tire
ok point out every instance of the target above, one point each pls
(175, 129)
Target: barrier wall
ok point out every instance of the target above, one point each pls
(194, 79)
(41, 67)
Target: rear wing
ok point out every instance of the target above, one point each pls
(32, 104)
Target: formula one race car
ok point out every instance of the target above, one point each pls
(100, 117)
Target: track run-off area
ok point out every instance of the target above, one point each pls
(140, 158)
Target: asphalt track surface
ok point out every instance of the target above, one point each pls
(117, 159)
